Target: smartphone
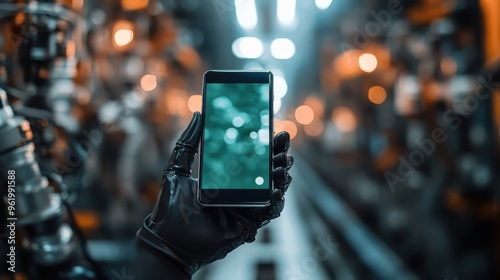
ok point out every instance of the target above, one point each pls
(236, 147)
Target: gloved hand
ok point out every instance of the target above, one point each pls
(189, 235)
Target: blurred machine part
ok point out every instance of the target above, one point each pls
(38, 212)
(39, 60)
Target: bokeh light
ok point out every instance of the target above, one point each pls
(175, 102)
(238, 121)
(194, 103)
(123, 33)
(315, 128)
(230, 135)
(377, 94)
(264, 136)
(346, 65)
(368, 62)
(278, 125)
(282, 48)
(259, 180)
(276, 105)
(280, 86)
(344, 119)
(316, 104)
(323, 4)
(246, 13)
(285, 11)
(291, 128)
(134, 4)
(448, 66)
(148, 82)
(264, 118)
(247, 47)
(304, 114)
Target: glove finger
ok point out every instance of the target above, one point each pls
(281, 142)
(186, 147)
(283, 160)
(277, 204)
(262, 216)
(282, 179)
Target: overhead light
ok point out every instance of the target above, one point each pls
(282, 48)
(246, 14)
(285, 11)
(280, 87)
(323, 4)
(276, 105)
(247, 47)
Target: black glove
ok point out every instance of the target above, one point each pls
(186, 234)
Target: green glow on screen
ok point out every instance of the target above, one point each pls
(236, 136)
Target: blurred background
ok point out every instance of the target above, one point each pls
(393, 108)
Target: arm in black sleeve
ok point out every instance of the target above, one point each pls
(150, 265)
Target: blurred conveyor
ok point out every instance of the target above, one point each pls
(304, 242)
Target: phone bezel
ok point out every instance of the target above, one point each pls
(236, 197)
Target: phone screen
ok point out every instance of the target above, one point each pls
(236, 141)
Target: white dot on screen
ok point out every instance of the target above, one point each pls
(231, 133)
(264, 119)
(260, 150)
(238, 121)
(264, 136)
(259, 181)
(253, 134)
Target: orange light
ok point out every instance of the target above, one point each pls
(148, 82)
(291, 128)
(345, 65)
(491, 37)
(377, 94)
(176, 102)
(278, 126)
(123, 33)
(368, 62)
(77, 5)
(134, 4)
(315, 128)
(448, 66)
(19, 18)
(316, 105)
(88, 220)
(194, 103)
(344, 119)
(304, 114)
(70, 48)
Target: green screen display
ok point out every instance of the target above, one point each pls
(236, 136)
